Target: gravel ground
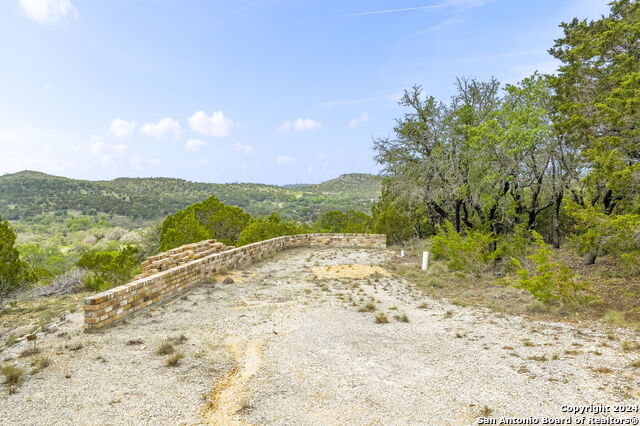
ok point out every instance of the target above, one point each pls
(280, 346)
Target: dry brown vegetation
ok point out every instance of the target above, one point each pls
(615, 294)
(27, 316)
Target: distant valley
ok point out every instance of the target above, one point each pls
(29, 194)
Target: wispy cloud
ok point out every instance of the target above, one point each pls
(123, 128)
(358, 121)
(404, 9)
(245, 149)
(194, 145)
(458, 4)
(48, 11)
(301, 124)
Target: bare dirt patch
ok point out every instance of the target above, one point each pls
(350, 271)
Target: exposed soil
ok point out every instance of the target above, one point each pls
(294, 340)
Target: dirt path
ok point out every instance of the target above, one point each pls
(295, 340)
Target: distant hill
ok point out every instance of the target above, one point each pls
(28, 194)
(362, 185)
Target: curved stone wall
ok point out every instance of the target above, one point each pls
(110, 306)
(179, 255)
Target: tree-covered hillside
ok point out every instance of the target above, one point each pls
(28, 194)
(359, 185)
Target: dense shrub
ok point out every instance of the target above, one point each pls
(202, 221)
(549, 281)
(470, 253)
(392, 220)
(268, 227)
(108, 268)
(597, 234)
(46, 261)
(349, 221)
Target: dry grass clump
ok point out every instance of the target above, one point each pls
(402, 318)
(369, 307)
(39, 364)
(179, 340)
(539, 358)
(12, 376)
(174, 360)
(166, 348)
(381, 318)
(614, 318)
(30, 352)
(486, 411)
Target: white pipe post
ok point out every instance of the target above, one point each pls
(401, 253)
(425, 260)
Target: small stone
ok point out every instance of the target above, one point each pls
(228, 281)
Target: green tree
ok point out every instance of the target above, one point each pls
(13, 272)
(268, 227)
(395, 222)
(349, 221)
(210, 219)
(182, 228)
(46, 261)
(597, 110)
(108, 268)
(487, 161)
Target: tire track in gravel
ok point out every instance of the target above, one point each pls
(228, 398)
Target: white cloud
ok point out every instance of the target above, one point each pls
(286, 125)
(106, 152)
(306, 124)
(217, 126)
(194, 145)
(166, 128)
(48, 11)
(98, 147)
(245, 149)
(286, 160)
(301, 124)
(358, 121)
(122, 128)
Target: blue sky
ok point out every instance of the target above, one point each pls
(269, 91)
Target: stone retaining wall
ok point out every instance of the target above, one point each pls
(171, 258)
(105, 308)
